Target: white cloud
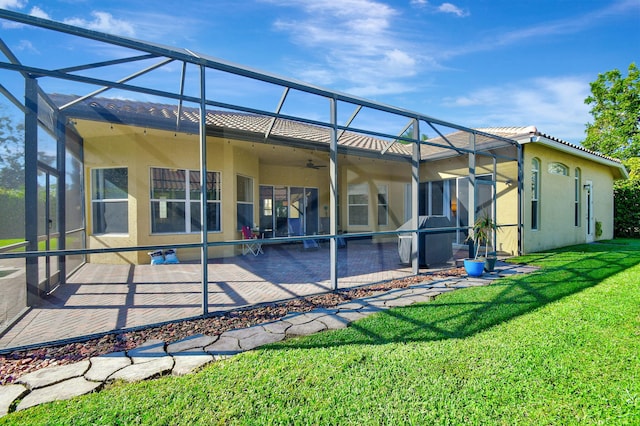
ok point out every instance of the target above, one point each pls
(39, 13)
(26, 45)
(354, 43)
(12, 4)
(105, 22)
(554, 105)
(453, 9)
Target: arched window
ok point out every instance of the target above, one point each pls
(535, 193)
(558, 169)
(577, 188)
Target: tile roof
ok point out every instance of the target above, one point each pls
(164, 116)
(519, 133)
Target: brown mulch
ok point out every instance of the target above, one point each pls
(17, 363)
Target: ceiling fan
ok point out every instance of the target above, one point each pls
(313, 166)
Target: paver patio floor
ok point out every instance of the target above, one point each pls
(100, 298)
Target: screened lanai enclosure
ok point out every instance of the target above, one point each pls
(244, 187)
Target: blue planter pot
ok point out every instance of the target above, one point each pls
(473, 267)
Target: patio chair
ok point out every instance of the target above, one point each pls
(253, 245)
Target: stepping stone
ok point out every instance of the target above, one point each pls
(224, 346)
(334, 322)
(297, 319)
(260, 339)
(105, 365)
(306, 329)
(243, 333)
(51, 375)
(277, 327)
(351, 316)
(353, 305)
(421, 298)
(63, 390)
(196, 341)
(399, 302)
(189, 361)
(149, 350)
(146, 370)
(8, 395)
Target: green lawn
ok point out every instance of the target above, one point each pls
(53, 244)
(559, 346)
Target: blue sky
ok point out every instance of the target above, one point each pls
(477, 63)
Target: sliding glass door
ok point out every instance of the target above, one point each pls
(287, 211)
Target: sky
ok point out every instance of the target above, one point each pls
(478, 63)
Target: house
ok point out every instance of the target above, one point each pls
(142, 167)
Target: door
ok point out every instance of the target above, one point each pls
(591, 221)
(48, 235)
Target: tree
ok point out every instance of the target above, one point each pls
(11, 154)
(615, 102)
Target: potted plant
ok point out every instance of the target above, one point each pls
(481, 233)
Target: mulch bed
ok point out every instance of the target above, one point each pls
(17, 363)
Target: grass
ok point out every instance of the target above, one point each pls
(559, 346)
(53, 244)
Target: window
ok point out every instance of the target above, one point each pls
(358, 204)
(576, 202)
(175, 201)
(109, 200)
(383, 205)
(558, 169)
(535, 193)
(244, 196)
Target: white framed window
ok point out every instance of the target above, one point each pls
(576, 201)
(175, 201)
(244, 200)
(358, 204)
(535, 193)
(110, 200)
(383, 205)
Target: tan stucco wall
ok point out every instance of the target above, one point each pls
(557, 226)
(139, 150)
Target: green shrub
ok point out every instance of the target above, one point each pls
(626, 217)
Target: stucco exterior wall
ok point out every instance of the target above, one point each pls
(557, 227)
(140, 150)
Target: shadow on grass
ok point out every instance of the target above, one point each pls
(465, 312)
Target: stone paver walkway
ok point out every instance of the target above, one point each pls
(156, 358)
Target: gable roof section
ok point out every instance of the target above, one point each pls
(531, 134)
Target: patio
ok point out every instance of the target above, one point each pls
(100, 298)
